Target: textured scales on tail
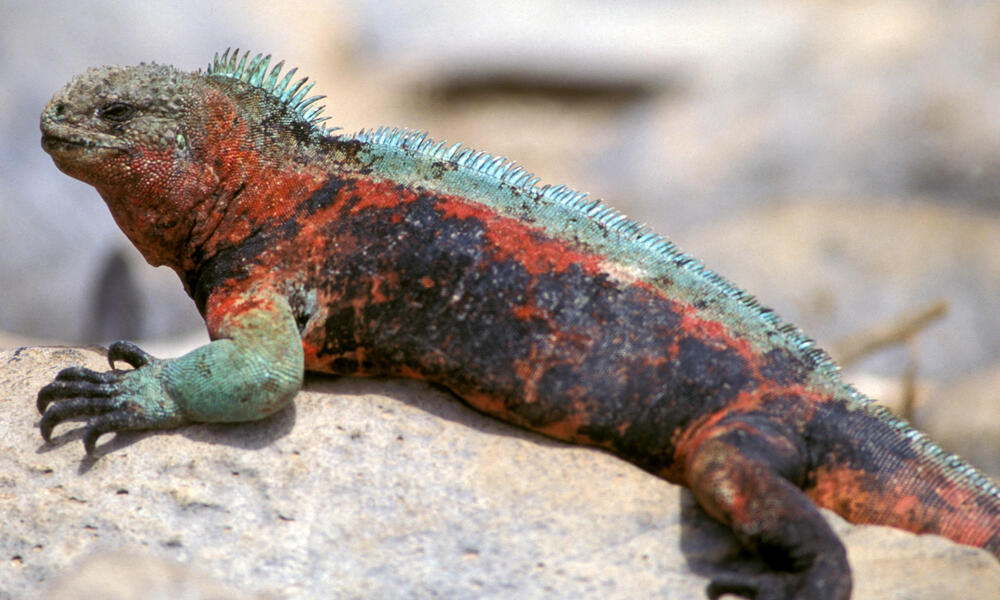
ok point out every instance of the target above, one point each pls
(388, 253)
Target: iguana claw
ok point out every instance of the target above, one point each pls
(109, 398)
(77, 381)
(130, 353)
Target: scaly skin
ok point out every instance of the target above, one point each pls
(383, 254)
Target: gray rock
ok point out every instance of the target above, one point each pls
(756, 102)
(964, 418)
(148, 578)
(377, 489)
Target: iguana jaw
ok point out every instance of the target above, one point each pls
(80, 152)
(64, 141)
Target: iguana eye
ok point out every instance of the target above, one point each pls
(116, 111)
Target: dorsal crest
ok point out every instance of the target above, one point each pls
(253, 71)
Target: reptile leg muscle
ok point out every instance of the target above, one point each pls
(743, 473)
(251, 370)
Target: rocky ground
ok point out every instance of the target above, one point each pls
(375, 489)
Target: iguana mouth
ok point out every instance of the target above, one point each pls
(65, 139)
(58, 144)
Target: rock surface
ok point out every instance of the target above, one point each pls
(374, 489)
(963, 418)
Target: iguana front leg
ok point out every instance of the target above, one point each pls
(253, 367)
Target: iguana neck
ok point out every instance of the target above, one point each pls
(229, 181)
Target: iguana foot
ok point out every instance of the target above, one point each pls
(783, 585)
(116, 400)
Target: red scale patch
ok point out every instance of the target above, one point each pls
(515, 239)
(376, 195)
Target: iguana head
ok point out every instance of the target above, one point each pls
(102, 120)
(137, 135)
(175, 154)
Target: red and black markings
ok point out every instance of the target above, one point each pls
(519, 324)
(423, 285)
(892, 479)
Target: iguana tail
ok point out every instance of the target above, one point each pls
(872, 467)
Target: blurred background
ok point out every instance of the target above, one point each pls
(841, 160)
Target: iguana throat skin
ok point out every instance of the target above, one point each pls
(383, 253)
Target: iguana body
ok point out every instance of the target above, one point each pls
(383, 253)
